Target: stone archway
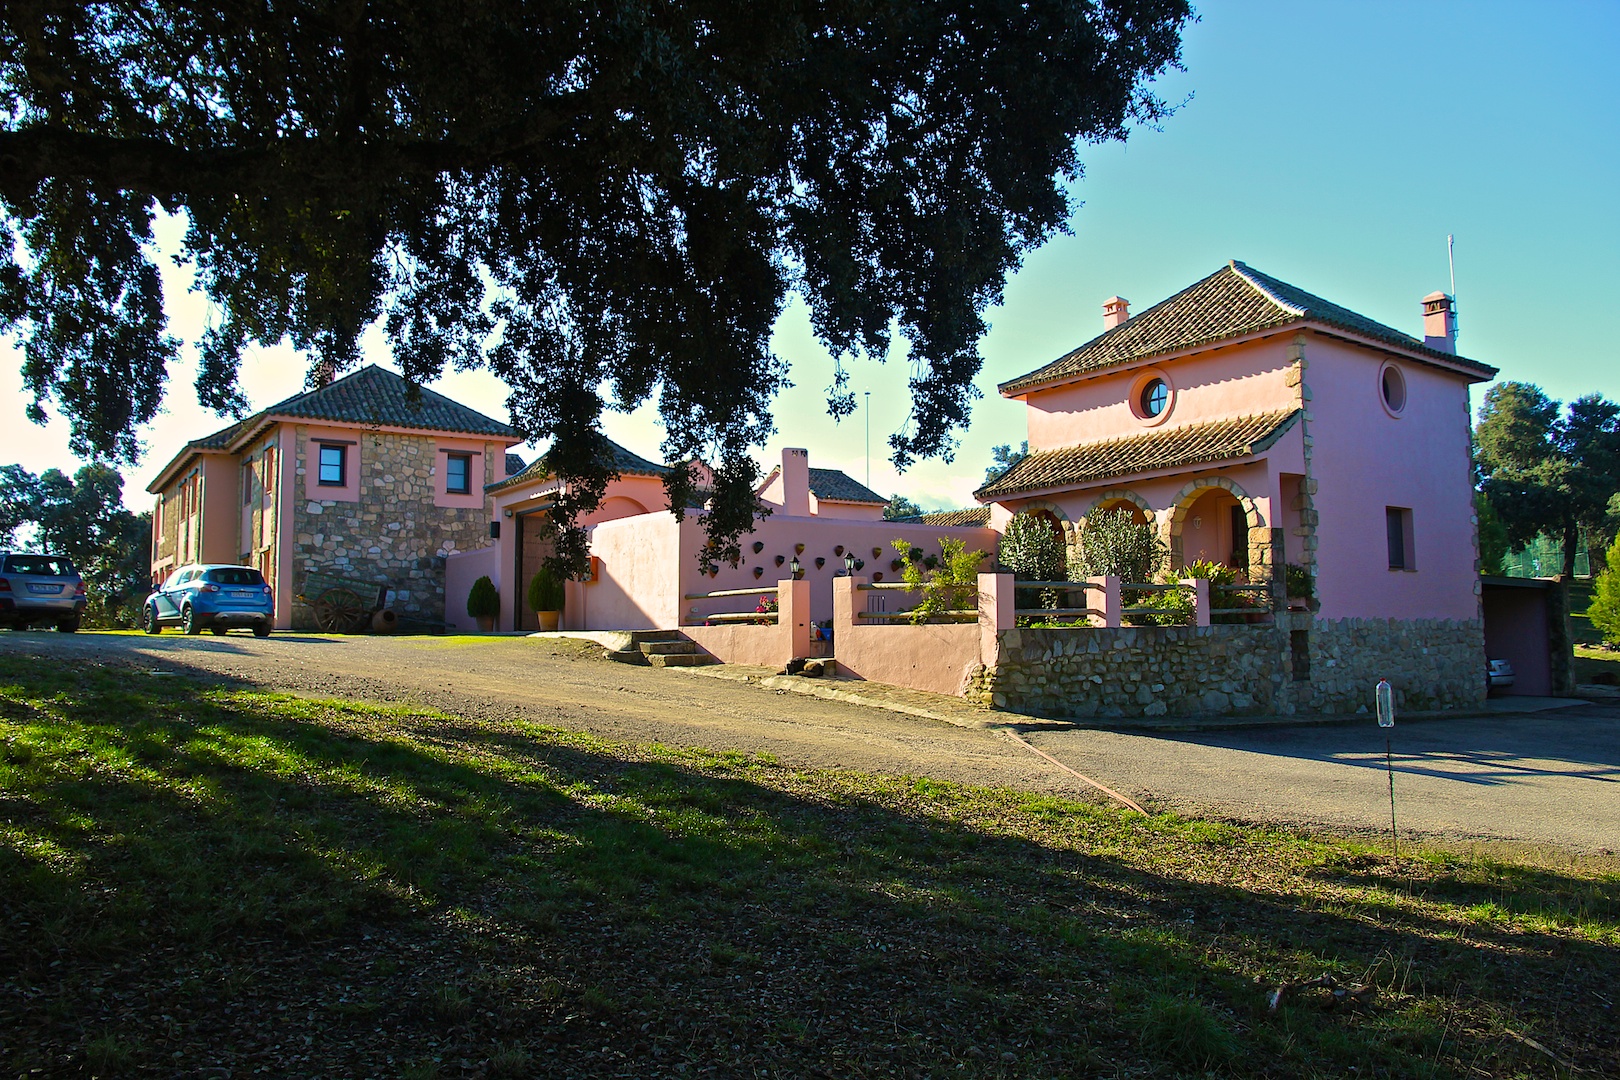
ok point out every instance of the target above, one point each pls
(1259, 532)
(1118, 498)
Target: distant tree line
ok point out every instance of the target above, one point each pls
(1546, 470)
(82, 517)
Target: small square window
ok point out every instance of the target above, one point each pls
(333, 462)
(458, 474)
(1398, 537)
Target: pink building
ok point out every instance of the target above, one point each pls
(1254, 423)
(334, 493)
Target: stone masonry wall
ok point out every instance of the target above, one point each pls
(1235, 670)
(393, 535)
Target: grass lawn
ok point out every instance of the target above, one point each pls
(197, 880)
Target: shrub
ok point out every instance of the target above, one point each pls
(545, 592)
(483, 602)
(1299, 581)
(954, 586)
(1605, 607)
(1115, 543)
(1031, 551)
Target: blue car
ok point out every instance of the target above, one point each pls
(214, 596)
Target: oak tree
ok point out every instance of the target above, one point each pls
(606, 204)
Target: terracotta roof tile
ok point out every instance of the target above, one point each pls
(376, 396)
(624, 462)
(1192, 444)
(1233, 301)
(973, 516)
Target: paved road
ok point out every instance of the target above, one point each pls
(1548, 779)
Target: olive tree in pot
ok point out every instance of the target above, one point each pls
(484, 603)
(546, 599)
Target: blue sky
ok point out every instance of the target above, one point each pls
(1331, 144)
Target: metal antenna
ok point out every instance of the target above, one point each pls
(1451, 261)
(869, 439)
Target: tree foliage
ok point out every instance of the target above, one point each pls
(1493, 536)
(1114, 543)
(1004, 457)
(1544, 470)
(901, 507)
(83, 517)
(1604, 611)
(615, 196)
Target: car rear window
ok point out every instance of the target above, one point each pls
(235, 575)
(39, 565)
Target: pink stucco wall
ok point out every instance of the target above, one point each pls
(1232, 381)
(1365, 460)
(934, 657)
(460, 571)
(638, 585)
(221, 504)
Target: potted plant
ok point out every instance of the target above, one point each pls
(546, 599)
(484, 603)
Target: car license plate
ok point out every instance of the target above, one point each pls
(45, 590)
(242, 594)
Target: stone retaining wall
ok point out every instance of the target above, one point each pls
(1235, 670)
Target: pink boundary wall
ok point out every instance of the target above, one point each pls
(460, 571)
(937, 657)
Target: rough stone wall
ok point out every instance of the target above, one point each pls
(1235, 670)
(394, 535)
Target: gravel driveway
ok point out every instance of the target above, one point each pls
(1547, 779)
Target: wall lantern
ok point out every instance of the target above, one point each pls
(509, 513)
(1198, 523)
(795, 569)
(849, 562)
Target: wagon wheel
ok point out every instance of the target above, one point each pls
(338, 611)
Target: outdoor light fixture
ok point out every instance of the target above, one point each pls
(1198, 523)
(794, 568)
(849, 562)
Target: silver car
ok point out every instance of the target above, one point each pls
(40, 589)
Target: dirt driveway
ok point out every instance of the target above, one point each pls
(1544, 779)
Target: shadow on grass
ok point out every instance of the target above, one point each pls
(256, 881)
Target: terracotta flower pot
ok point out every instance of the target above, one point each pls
(486, 623)
(384, 622)
(549, 620)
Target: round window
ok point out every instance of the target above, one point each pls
(1392, 384)
(1155, 395)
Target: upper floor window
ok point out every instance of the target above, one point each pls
(1392, 389)
(1398, 536)
(333, 468)
(1155, 396)
(458, 474)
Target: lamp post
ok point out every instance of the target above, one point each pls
(868, 438)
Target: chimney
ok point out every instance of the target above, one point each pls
(1116, 309)
(1440, 322)
(796, 483)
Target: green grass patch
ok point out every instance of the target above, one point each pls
(264, 882)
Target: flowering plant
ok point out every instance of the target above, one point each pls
(767, 606)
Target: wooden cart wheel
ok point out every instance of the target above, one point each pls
(338, 611)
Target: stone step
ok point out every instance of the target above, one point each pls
(626, 656)
(692, 659)
(667, 647)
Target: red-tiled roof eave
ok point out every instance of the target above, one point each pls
(1472, 370)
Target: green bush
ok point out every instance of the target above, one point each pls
(1299, 581)
(1605, 607)
(483, 602)
(545, 592)
(954, 586)
(1032, 551)
(1115, 543)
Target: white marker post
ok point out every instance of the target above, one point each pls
(1384, 702)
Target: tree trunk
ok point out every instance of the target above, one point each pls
(1572, 538)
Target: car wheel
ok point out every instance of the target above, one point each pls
(261, 629)
(188, 621)
(69, 626)
(150, 624)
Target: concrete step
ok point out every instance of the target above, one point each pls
(627, 656)
(691, 659)
(667, 647)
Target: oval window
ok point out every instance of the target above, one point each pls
(1393, 386)
(1155, 395)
